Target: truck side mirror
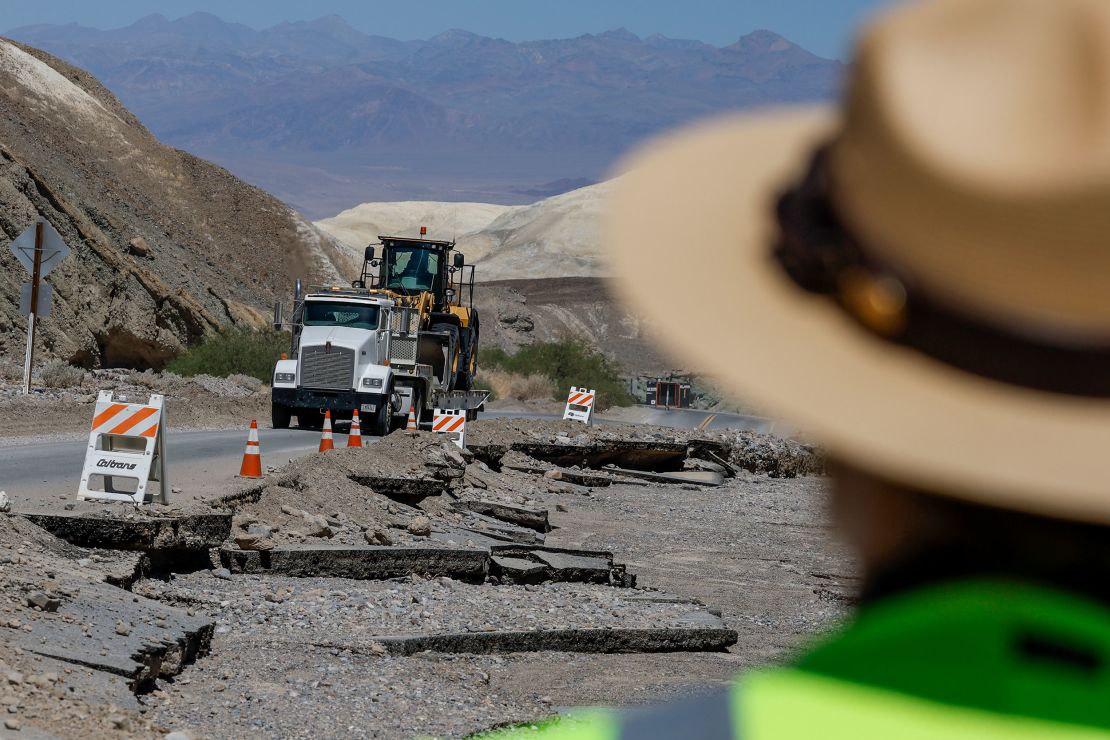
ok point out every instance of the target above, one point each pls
(369, 254)
(460, 260)
(278, 323)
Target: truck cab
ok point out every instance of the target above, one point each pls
(339, 362)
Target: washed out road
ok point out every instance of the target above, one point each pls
(204, 463)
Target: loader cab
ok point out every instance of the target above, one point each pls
(410, 266)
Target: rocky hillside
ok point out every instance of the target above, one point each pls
(516, 313)
(165, 247)
(554, 237)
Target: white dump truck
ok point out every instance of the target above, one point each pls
(401, 338)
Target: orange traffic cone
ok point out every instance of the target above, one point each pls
(252, 458)
(412, 426)
(354, 439)
(325, 438)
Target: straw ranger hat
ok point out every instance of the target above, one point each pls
(919, 279)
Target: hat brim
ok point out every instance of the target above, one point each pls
(689, 231)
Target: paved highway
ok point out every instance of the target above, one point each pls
(203, 464)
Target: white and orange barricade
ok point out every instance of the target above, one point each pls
(127, 450)
(580, 405)
(252, 456)
(448, 422)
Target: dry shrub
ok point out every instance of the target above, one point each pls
(507, 385)
(60, 374)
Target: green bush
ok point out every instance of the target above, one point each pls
(234, 351)
(568, 361)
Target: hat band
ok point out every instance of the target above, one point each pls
(821, 255)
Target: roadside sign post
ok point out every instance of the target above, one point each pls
(35, 276)
(39, 249)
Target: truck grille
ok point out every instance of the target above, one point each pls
(403, 350)
(323, 369)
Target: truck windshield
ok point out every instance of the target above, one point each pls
(411, 268)
(353, 315)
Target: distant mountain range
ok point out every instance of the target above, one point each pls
(326, 116)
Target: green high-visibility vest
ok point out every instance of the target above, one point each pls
(974, 660)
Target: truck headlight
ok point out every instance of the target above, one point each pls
(285, 377)
(371, 382)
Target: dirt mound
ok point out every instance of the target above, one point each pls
(772, 456)
(165, 247)
(387, 493)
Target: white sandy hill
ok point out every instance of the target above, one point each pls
(55, 94)
(554, 237)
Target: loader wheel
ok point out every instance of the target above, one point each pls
(468, 360)
(450, 371)
(280, 416)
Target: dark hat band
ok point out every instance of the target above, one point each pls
(819, 253)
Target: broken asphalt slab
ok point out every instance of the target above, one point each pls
(535, 519)
(118, 531)
(535, 564)
(130, 637)
(366, 562)
(711, 636)
(641, 455)
(693, 477)
(509, 563)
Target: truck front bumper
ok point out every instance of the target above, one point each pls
(340, 403)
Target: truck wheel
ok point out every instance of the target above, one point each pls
(280, 416)
(383, 417)
(309, 419)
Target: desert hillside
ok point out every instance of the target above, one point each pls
(554, 237)
(516, 313)
(165, 247)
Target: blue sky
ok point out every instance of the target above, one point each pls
(823, 26)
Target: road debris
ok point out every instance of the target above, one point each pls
(380, 557)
